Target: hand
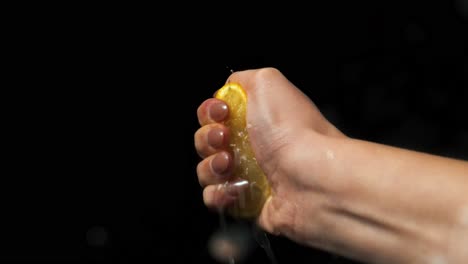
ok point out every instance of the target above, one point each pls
(367, 201)
(279, 116)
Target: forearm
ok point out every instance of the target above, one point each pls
(389, 205)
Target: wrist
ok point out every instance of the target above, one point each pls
(318, 159)
(312, 166)
(382, 201)
(323, 219)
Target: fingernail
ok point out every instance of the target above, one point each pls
(216, 138)
(236, 188)
(218, 111)
(220, 163)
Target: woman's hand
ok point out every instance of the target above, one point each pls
(367, 201)
(279, 117)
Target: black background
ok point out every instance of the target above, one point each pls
(103, 103)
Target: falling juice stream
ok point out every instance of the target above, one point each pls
(262, 239)
(223, 225)
(241, 245)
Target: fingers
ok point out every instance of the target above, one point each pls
(211, 111)
(223, 195)
(210, 139)
(217, 168)
(215, 175)
(211, 142)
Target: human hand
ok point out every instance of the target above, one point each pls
(279, 115)
(356, 198)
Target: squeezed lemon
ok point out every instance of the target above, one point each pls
(250, 202)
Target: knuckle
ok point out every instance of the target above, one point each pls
(266, 73)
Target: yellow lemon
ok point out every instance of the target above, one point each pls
(250, 202)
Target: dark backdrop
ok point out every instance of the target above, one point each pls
(103, 112)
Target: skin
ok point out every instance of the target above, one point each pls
(370, 202)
